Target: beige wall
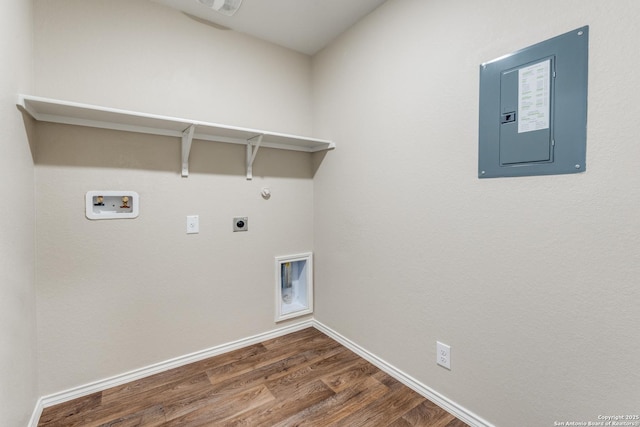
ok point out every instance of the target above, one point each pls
(142, 56)
(123, 294)
(17, 289)
(532, 281)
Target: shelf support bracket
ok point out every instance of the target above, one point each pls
(187, 139)
(252, 150)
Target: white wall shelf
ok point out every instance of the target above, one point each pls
(73, 113)
(294, 286)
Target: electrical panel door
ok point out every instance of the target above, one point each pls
(533, 109)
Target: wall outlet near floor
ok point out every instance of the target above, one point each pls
(443, 355)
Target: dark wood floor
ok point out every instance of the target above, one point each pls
(302, 379)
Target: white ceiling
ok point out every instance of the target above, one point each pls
(302, 25)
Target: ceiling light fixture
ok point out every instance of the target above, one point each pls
(226, 7)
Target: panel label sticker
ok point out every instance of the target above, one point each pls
(533, 96)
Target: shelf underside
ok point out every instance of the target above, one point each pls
(56, 111)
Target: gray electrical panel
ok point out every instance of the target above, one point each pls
(533, 109)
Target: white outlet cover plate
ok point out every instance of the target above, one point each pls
(443, 355)
(193, 224)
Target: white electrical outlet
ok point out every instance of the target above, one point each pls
(443, 355)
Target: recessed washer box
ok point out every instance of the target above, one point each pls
(112, 204)
(533, 109)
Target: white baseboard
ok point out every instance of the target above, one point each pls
(440, 400)
(104, 384)
(35, 416)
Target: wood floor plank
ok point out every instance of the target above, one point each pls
(291, 339)
(428, 414)
(344, 378)
(278, 369)
(301, 379)
(150, 417)
(237, 367)
(279, 364)
(120, 408)
(387, 380)
(385, 410)
(107, 415)
(58, 415)
(235, 384)
(338, 406)
(173, 391)
(216, 408)
(168, 378)
(307, 395)
(401, 422)
(290, 383)
(456, 423)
